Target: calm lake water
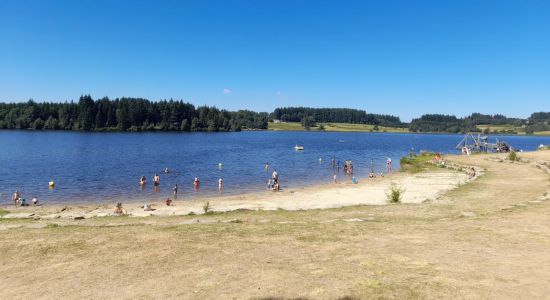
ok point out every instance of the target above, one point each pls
(105, 167)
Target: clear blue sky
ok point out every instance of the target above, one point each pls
(398, 57)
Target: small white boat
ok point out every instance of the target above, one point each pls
(298, 148)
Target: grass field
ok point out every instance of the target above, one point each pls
(346, 127)
(500, 128)
(341, 127)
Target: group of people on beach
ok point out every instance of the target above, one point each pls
(19, 201)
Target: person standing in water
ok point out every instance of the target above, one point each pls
(266, 167)
(220, 184)
(275, 176)
(388, 165)
(196, 184)
(175, 191)
(15, 198)
(334, 178)
(156, 179)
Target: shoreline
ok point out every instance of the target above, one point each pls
(275, 130)
(426, 186)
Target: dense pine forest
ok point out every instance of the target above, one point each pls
(126, 114)
(137, 114)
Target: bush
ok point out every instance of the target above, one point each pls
(206, 207)
(395, 194)
(512, 156)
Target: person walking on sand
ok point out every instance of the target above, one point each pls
(156, 179)
(388, 165)
(220, 184)
(196, 184)
(15, 198)
(175, 189)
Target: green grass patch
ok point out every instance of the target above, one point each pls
(417, 163)
(337, 127)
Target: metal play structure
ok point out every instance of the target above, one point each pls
(472, 144)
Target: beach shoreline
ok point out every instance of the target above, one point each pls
(419, 187)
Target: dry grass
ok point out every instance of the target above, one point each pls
(404, 251)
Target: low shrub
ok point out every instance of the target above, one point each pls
(395, 194)
(512, 156)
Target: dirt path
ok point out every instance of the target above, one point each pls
(487, 239)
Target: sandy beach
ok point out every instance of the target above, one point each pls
(486, 239)
(419, 187)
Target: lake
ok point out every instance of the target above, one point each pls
(106, 167)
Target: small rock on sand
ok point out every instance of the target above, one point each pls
(353, 220)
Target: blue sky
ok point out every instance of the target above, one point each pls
(398, 57)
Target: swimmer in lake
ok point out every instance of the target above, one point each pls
(166, 171)
(142, 180)
(156, 179)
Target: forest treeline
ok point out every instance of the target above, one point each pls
(335, 115)
(451, 124)
(137, 114)
(126, 114)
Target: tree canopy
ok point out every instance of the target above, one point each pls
(126, 114)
